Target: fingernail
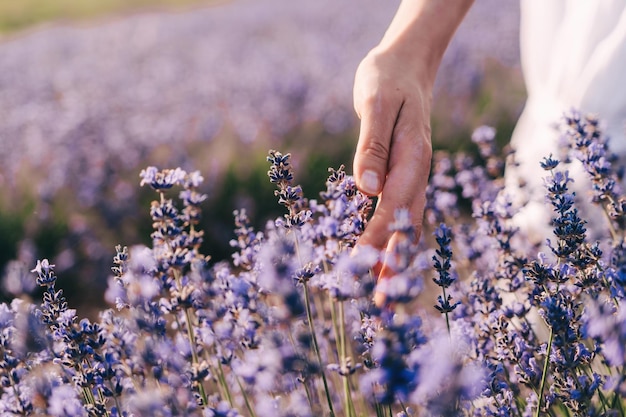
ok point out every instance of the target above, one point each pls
(370, 182)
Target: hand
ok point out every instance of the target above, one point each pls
(394, 150)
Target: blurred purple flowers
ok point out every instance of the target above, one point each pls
(290, 328)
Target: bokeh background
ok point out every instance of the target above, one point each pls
(91, 92)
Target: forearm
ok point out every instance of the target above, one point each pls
(421, 31)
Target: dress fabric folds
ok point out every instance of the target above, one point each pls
(573, 56)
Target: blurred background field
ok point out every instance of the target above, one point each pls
(91, 92)
(24, 14)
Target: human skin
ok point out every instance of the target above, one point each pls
(392, 97)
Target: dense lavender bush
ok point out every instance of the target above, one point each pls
(290, 328)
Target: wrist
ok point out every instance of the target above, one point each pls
(420, 33)
(414, 61)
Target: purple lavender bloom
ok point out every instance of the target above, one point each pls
(484, 137)
(161, 180)
(136, 283)
(445, 379)
(45, 273)
(586, 141)
(150, 403)
(14, 367)
(290, 196)
(443, 263)
(193, 338)
(17, 280)
(443, 236)
(260, 369)
(569, 228)
(483, 134)
(350, 279)
(606, 324)
(193, 180)
(549, 163)
(394, 376)
(64, 402)
(277, 265)
(222, 410)
(441, 195)
(248, 242)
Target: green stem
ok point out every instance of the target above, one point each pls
(622, 412)
(245, 398)
(87, 394)
(603, 400)
(316, 348)
(100, 395)
(344, 362)
(305, 382)
(379, 410)
(612, 230)
(545, 372)
(16, 392)
(192, 341)
(189, 326)
(222, 380)
(331, 304)
(307, 390)
(309, 317)
(333, 319)
(115, 398)
(617, 399)
(102, 401)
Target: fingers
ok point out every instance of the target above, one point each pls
(405, 185)
(386, 269)
(392, 159)
(378, 115)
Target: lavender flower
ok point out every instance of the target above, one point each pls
(290, 328)
(290, 196)
(161, 180)
(248, 241)
(584, 136)
(64, 401)
(569, 228)
(442, 265)
(447, 377)
(16, 280)
(394, 377)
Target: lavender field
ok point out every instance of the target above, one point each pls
(132, 289)
(289, 327)
(84, 107)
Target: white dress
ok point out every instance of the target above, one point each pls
(573, 55)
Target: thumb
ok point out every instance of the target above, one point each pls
(371, 158)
